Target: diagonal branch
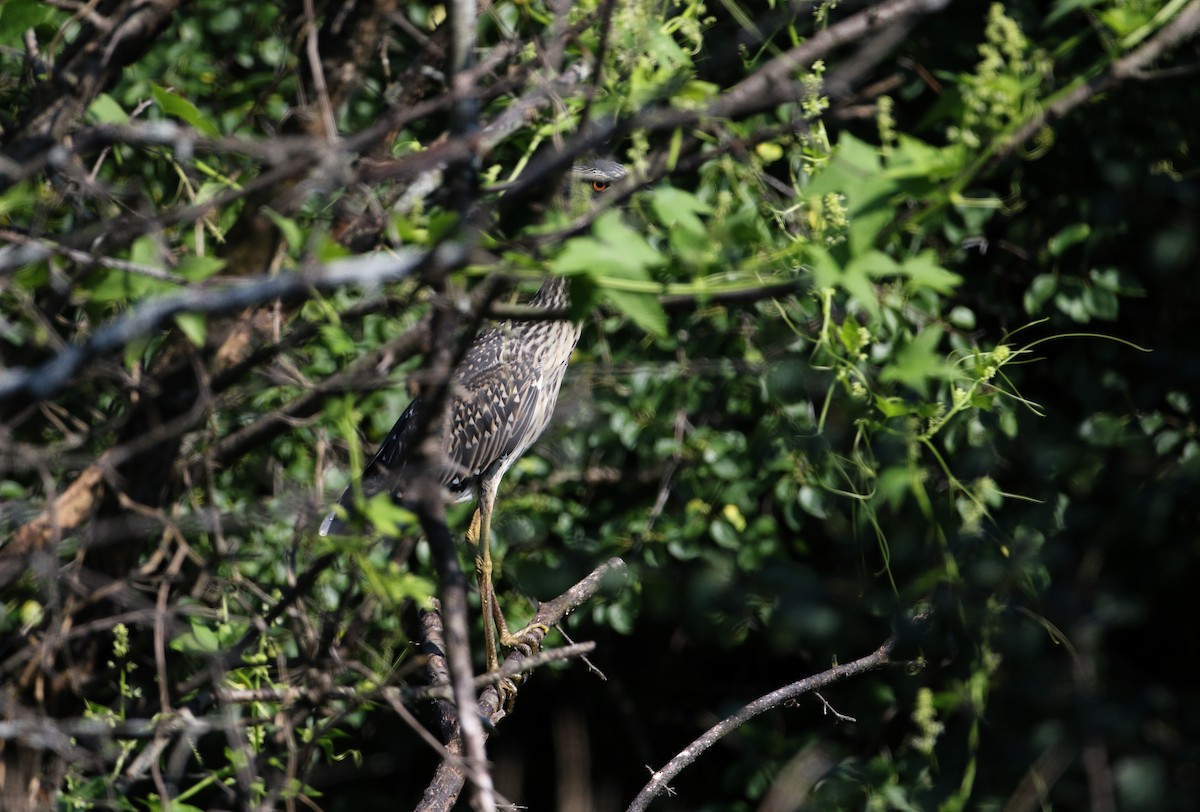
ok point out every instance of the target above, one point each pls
(659, 781)
(1131, 66)
(447, 782)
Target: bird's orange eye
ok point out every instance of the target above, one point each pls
(599, 186)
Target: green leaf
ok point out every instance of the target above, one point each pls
(105, 110)
(1040, 290)
(17, 16)
(145, 251)
(676, 207)
(874, 264)
(200, 640)
(193, 326)
(825, 269)
(1179, 401)
(925, 271)
(913, 159)
(615, 251)
(855, 172)
(21, 196)
(388, 518)
(1101, 303)
(288, 227)
(1073, 305)
(892, 406)
(919, 362)
(1069, 236)
(769, 151)
(1116, 281)
(812, 502)
(856, 279)
(643, 309)
(693, 94)
(1064, 7)
(196, 269)
(851, 336)
(114, 285)
(614, 255)
(177, 106)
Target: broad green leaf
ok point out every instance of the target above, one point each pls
(388, 518)
(1071, 303)
(1101, 303)
(676, 207)
(892, 406)
(196, 269)
(289, 228)
(924, 271)
(337, 339)
(177, 106)
(855, 172)
(912, 158)
(825, 269)
(963, 318)
(17, 16)
(851, 335)
(615, 251)
(693, 94)
(856, 280)
(627, 247)
(114, 285)
(18, 198)
(106, 110)
(919, 362)
(193, 326)
(874, 264)
(145, 252)
(1179, 401)
(643, 309)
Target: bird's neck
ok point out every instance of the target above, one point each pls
(552, 294)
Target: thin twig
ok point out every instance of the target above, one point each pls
(660, 779)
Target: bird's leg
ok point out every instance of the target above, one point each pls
(479, 534)
(525, 637)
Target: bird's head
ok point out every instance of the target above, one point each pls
(588, 179)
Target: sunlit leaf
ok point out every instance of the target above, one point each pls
(177, 106)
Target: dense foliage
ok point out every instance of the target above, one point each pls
(888, 342)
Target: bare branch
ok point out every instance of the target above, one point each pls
(772, 84)
(659, 781)
(44, 381)
(1131, 66)
(447, 782)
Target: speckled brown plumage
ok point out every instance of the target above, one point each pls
(502, 394)
(501, 399)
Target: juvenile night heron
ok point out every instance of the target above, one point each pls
(501, 399)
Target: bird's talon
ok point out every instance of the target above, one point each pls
(508, 693)
(529, 640)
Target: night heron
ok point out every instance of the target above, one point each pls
(501, 399)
